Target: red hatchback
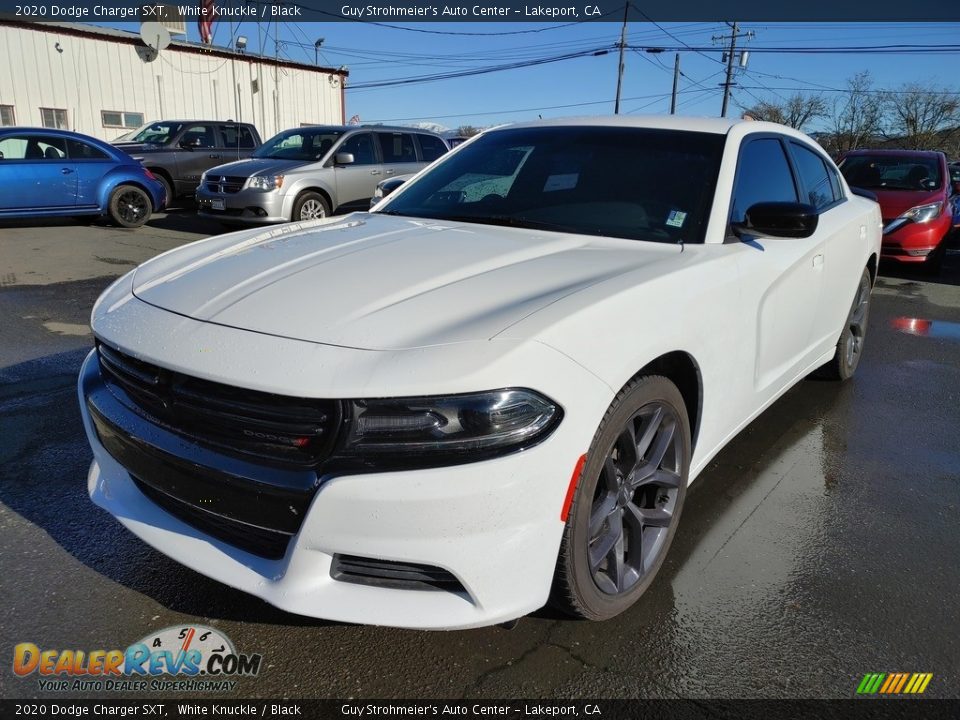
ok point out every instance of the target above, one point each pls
(913, 188)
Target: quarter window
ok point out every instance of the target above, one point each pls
(84, 151)
(54, 118)
(763, 176)
(7, 116)
(431, 147)
(397, 148)
(121, 119)
(815, 177)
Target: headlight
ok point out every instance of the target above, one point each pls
(265, 182)
(447, 429)
(923, 213)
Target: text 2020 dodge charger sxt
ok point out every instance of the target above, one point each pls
(491, 392)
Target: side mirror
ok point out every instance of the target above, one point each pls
(779, 219)
(190, 144)
(342, 158)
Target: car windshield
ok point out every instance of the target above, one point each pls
(634, 183)
(920, 173)
(158, 133)
(303, 144)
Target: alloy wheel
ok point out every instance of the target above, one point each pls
(312, 210)
(132, 206)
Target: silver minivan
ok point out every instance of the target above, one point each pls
(311, 172)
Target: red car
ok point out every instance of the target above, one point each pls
(914, 190)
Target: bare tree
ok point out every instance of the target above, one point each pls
(467, 131)
(795, 111)
(918, 115)
(857, 116)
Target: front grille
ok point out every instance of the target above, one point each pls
(391, 574)
(225, 184)
(256, 540)
(281, 430)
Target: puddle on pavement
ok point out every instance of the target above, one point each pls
(62, 328)
(927, 328)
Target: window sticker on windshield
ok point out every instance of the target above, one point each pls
(567, 181)
(676, 218)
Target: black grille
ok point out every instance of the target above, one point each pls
(225, 184)
(282, 430)
(387, 573)
(256, 540)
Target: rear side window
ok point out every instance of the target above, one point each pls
(819, 190)
(84, 151)
(237, 136)
(763, 175)
(397, 148)
(431, 147)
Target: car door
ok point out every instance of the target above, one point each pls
(357, 181)
(237, 142)
(782, 277)
(399, 153)
(35, 173)
(199, 150)
(92, 165)
(843, 229)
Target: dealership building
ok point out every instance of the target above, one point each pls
(105, 82)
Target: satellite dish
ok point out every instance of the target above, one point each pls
(154, 35)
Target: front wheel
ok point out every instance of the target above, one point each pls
(129, 206)
(627, 502)
(850, 345)
(310, 206)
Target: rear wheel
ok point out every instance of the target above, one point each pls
(310, 206)
(850, 345)
(129, 206)
(627, 503)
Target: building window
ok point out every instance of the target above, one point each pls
(7, 118)
(121, 119)
(54, 118)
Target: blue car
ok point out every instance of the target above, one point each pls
(46, 172)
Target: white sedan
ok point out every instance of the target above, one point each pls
(492, 392)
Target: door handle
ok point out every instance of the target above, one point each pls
(215, 157)
(374, 172)
(389, 172)
(66, 171)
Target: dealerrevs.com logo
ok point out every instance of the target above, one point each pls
(198, 658)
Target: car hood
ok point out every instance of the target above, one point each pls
(894, 203)
(256, 166)
(380, 282)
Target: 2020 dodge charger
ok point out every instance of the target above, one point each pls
(493, 391)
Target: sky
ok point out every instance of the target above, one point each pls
(587, 85)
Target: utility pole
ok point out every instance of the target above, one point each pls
(623, 47)
(676, 80)
(731, 56)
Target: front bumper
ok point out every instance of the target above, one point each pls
(494, 525)
(912, 242)
(253, 207)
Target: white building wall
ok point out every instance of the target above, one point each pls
(103, 73)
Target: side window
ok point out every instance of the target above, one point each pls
(431, 147)
(84, 151)
(763, 175)
(361, 145)
(397, 148)
(202, 133)
(237, 136)
(818, 187)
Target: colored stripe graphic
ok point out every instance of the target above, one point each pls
(894, 683)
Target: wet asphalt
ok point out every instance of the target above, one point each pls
(820, 545)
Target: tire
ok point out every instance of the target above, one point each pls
(850, 345)
(590, 583)
(310, 206)
(129, 206)
(167, 189)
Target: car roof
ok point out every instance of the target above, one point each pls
(349, 128)
(719, 126)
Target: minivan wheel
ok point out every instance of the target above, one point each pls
(310, 206)
(129, 206)
(627, 502)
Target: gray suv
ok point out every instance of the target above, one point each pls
(311, 172)
(179, 151)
